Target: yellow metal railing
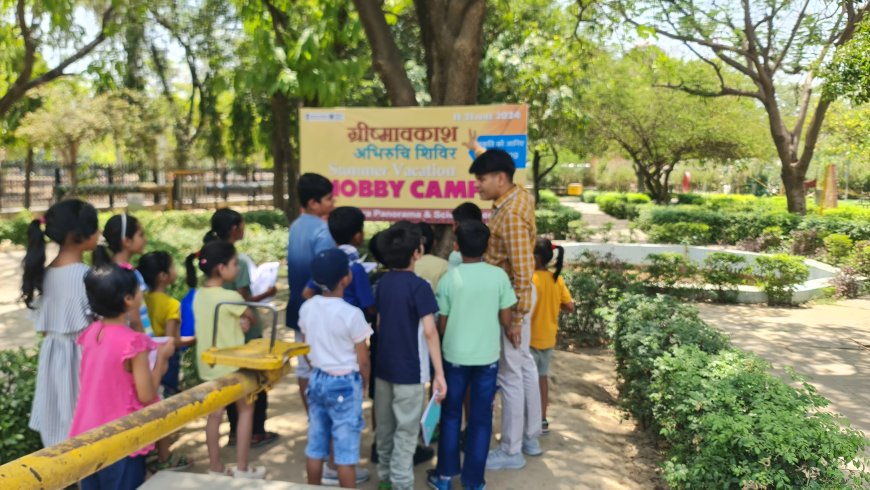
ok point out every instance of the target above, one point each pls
(72, 460)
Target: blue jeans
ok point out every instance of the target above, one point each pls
(334, 413)
(126, 474)
(480, 381)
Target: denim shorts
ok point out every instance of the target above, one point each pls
(543, 358)
(334, 413)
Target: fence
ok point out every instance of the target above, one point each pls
(117, 186)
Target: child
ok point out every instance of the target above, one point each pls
(337, 333)
(62, 311)
(475, 300)
(116, 379)
(406, 308)
(429, 267)
(218, 261)
(309, 235)
(552, 295)
(346, 227)
(126, 239)
(158, 272)
(229, 225)
(467, 211)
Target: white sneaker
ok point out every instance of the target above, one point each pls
(497, 459)
(330, 475)
(253, 473)
(532, 447)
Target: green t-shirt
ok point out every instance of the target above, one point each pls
(243, 280)
(229, 331)
(471, 296)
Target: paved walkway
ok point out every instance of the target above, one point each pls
(597, 220)
(830, 344)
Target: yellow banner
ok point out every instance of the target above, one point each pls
(410, 162)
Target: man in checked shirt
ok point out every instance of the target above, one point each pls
(511, 247)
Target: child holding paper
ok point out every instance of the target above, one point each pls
(475, 301)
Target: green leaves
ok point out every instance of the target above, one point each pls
(848, 74)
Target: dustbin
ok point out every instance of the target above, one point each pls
(575, 189)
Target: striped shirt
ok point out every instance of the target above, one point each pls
(512, 245)
(63, 313)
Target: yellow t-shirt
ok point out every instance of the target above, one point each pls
(431, 268)
(545, 317)
(162, 308)
(229, 330)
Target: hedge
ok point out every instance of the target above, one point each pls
(726, 421)
(622, 206)
(554, 221)
(725, 227)
(17, 386)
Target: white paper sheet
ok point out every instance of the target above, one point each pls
(264, 277)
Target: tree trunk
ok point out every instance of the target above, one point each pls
(793, 182)
(281, 149)
(28, 170)
(536, 176)
(386, 57)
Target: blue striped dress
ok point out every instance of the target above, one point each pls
(63, 313)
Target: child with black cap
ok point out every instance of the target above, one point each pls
(336, 333)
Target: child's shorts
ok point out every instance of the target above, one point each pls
(542, 360)
(334, 413)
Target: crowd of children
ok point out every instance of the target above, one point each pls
(427, 320)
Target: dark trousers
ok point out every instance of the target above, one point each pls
(126, 474)
(481, 382)
(260, 407)
(170, 379)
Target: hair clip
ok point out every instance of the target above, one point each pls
(554, 246)
(202, 261)
(42, 220)
(125, 265)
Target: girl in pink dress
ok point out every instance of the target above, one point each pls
(116, 376)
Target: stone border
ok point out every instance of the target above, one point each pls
(636, 254)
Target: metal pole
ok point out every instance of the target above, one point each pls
(72, 460)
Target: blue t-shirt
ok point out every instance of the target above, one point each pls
(308, 236)
(403, 299)
(359, 292)
(187, 322)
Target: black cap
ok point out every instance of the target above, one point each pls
(493, 161)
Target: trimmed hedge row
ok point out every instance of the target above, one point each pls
(727, 421)
(622, 206)
(724, 227)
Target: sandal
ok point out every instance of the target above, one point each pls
(225, 472)
(174, 463)
(258, 440)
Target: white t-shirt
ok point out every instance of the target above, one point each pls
(332, 327)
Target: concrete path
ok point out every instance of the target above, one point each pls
(828, 343)
(597, 220)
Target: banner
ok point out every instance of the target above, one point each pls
(409, 162)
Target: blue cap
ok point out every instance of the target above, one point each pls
(329, 267)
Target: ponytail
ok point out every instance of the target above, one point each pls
(560, 258)
(102, 256)
(66, 220)
(34, 263)
(190, 267)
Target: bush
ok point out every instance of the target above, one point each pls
(643, 329)
(590, 196)
(725, 420)
(683, 233)
(17, 386)
(548, 198)
(838, 246)
(725, 226)
(779, 275)
(827, 224)
(662, 215)
(695, 199)
(622, 206)
(846, 283)
(596, 283)
(724, 271)
(270, 220)
(15, 229)
(805, 242)
(860, 258)
(730, 424)
(669, 268)
(555, 221)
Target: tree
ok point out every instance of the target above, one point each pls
(657, 127)
(536, 56)
(38, 24)
(849, 73)
(764, 41)
(451, 33)
(68, 119)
